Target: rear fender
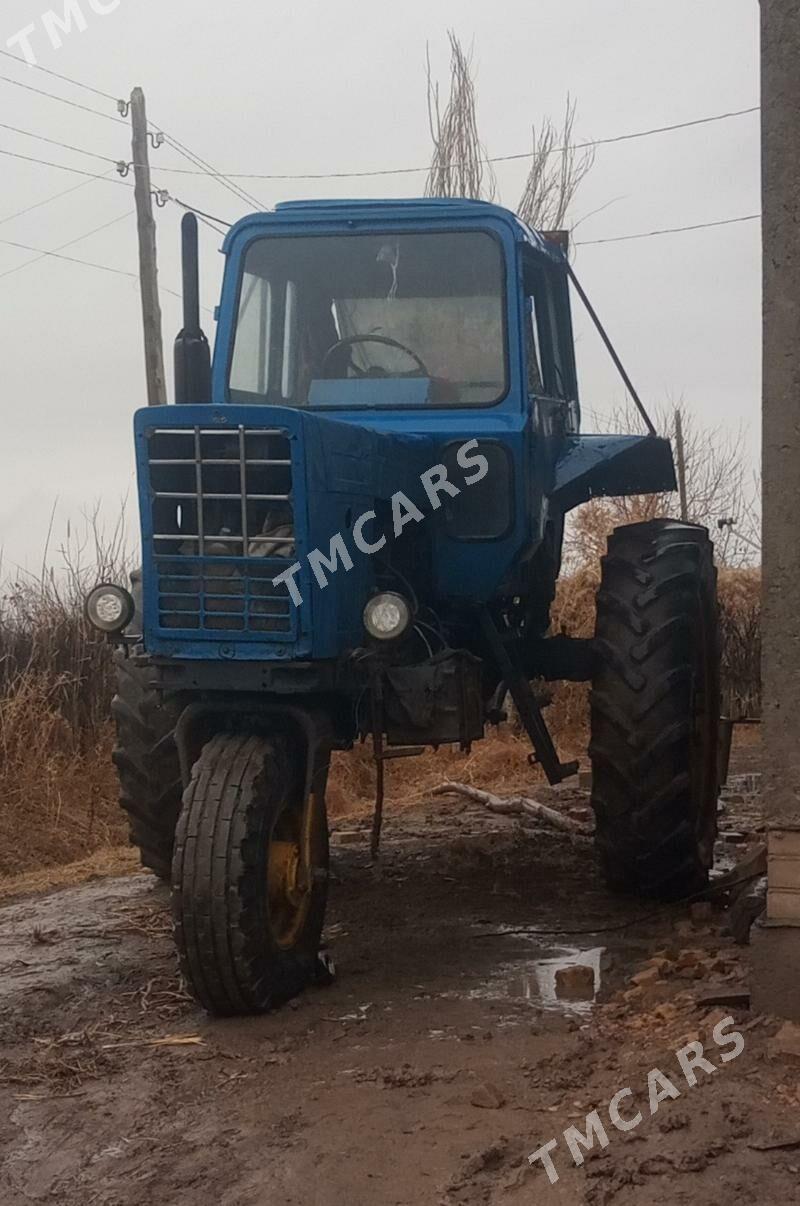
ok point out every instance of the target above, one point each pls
(603, 466)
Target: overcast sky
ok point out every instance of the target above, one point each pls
(321, 87)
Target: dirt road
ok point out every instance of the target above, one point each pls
(438, 1060)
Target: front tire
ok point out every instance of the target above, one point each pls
(249, 875)
(655, 710)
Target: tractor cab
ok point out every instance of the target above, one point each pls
(426, 299)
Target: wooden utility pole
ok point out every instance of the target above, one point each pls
(148, 260)
(776, 944)
(681, 458)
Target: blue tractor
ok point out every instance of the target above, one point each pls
(352, 528)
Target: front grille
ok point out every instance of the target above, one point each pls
(223, 528)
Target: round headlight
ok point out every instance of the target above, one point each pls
(387, 616)
(109, 608)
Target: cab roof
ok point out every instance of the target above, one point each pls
(438, 210)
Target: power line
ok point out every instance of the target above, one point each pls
(61, 99)
(647, 234)
(56, 196)
(204, 167)
(72, 260)
(90, 176)
(69, 259)
(209, 218)
(64, 78)
(651, 234)
(226, 179)
(680, 125)
(66, 146)
(598, 142)
(207, 170)
(62, 167)
(63, 246)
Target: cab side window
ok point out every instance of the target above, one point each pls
(532, 354)
(558, 382)
(548, 305)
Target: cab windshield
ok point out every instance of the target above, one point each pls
(371, 319)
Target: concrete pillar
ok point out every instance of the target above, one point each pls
(778, 942)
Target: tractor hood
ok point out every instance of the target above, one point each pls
(233, 496)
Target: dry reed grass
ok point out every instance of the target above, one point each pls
(58, 793)
(57, 785)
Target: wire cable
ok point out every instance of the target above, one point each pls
(652, 234)
(66, 146)
(64, 78)
(63, 246)
(227, 179)
(209, 219)
(205, 169)
(61, 99)
(678, 125)
(192, 156)
(90, 176)
(62, 167)
(647, 234)
(69, 259)
(403, 171)
(598, 142)
(55, 197)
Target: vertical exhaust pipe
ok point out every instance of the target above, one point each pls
(192, 352)
(190, 259)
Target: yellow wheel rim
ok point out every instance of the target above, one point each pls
(290, 873)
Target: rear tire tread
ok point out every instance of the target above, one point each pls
(657, 592)
(148, 767)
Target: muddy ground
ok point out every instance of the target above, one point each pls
(438, 1060)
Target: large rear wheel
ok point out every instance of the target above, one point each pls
(655, 709)
(146, 758)
(249, 874)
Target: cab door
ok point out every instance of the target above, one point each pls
(550, 352)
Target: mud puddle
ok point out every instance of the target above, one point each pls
(548, 977)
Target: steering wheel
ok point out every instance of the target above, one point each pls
(375, 371)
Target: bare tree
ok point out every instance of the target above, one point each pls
(458, 167)
(557, 170)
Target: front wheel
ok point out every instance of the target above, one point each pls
(655, 709)
(249, 874)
